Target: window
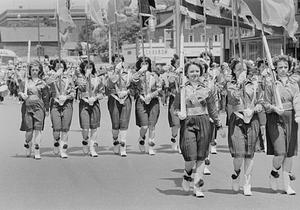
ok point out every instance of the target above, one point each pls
(128, 52)
(191, 38)
(203, 38)
(216, 38)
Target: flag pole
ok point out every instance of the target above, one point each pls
(116, 25)
(58, 46)
(109, 44)
(262, 29)
(177, 23)
(205, 31)
(239, 33)
(233, 27)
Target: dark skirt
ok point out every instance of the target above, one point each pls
(89, 116)
(146, 114)
(33, 115)
(242, 137)
(119, 113)
(195, 136)
(172, 117)
(61, 116)
(281, 133)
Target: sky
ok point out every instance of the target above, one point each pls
(39, 4)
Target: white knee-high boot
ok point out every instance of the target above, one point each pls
(37, 144)
(92, 141)
(286, 168)
(123, 134)
(248, 165)
(198, 179)
(64, 145)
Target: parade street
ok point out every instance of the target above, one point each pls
(138, 181)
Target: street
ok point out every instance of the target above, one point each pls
(138, 181)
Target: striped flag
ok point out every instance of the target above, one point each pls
(65, 20)
(193, 9)
(144, 9)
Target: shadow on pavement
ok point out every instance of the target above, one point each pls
(165, 148)
(173, 192)
(266, 190)
(224, 191)
(177, 181)
(178, 170)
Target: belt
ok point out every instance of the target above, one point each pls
(287, 106)
(196, 111)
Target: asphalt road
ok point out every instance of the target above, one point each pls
(138, 181)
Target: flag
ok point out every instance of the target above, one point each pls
(65, 20)
(193, 9)
(212, 9)
(121, 7)
(144, 9)
(94, 12)
(280, 13)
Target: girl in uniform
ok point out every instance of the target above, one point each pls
(119, 104)
(244, 104)
(148, 86)
(91, 89)
(62, 93)
(195, 130)
(281, 127)
(34, 108)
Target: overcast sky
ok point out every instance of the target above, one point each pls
(39, 4)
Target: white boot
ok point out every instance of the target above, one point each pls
(56, 147)
(186, 181)
(213, 149)
(116, 147)
(273, 180)
(198, 184)
(286, 183)
(142, 145)
(93, 152)
(63, 150)
(174, 144)
(28, 149)
(236, 181)
(37, 154)
(247, 185)
(123, 143)
(85, 147)
(151, 147)
(206, 170)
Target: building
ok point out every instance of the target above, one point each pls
(252, 45)
(19, 25)
(161, 44)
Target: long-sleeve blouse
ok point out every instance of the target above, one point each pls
(118, 81)
(207, 100)
(37, 91)
(146, 83)
(243, 96)
(60, 85)
(93, 87)
(289, 95)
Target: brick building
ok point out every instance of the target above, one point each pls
(19, 25)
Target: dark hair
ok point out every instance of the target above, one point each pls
(283, 58)
(139, 62)
(114, 57)
(40, 66)
(56, 61)
(174, 59)
(209, 54)
(83, 66)
(187, 66)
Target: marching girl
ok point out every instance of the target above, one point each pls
(119, 104)
(173, 84)
(281, 126)
(195, 130)
(62, 93)
(91, 90)
(244, 104)
(34, 108)
(148, 86)
(3, 87)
